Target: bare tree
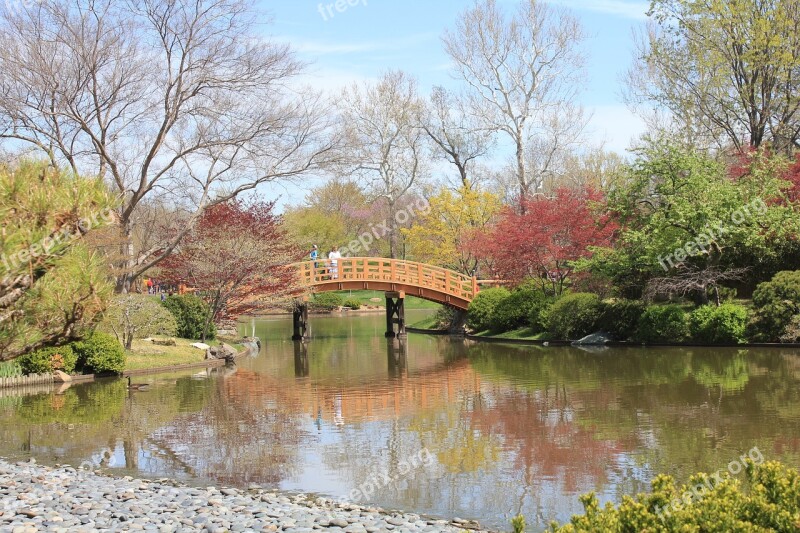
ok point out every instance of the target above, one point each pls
(694, 280)
(385, 144)
(457, 136)
(174, 98)
(519, 70)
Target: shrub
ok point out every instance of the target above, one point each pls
(47, 360)
(574, 316)
(479, 313)
(523, 307)
(725, 324)
(190, 313)
(792, 332)
(620, 318)
(352, 303)
(775, 303)
(136, 316)
(100, 353)
(10, 369)
(663, 323)
(326, 301)
(772, 503)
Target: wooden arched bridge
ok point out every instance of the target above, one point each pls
(396, 277)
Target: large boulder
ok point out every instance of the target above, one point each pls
(165, 342)
(595, 339)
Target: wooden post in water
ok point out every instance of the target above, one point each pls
(395, 314)
(300, 320)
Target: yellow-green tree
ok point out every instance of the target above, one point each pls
(442, 235)
(52, 287)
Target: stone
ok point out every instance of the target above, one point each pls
(200, 346)
(61, 377)
(223, 351)
(595, 339)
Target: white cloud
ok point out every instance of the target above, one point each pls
(633, 9)
(323, 48)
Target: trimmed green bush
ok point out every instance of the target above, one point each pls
(100, 353)
(190, 313)
(479, 313)
(770, 502)
(792, 332)
(775, 303)
(352, 303)
(725, 324)
(620, 318)
(663, 323)
(522, 308)
(326, 301)
(574, 316)
(48, 360)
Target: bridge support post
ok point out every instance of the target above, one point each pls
(396, 351)
(300, 359)
(395, 314)
(300, 320)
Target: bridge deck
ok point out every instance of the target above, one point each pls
(418, 279)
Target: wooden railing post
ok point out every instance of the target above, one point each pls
(474, 287)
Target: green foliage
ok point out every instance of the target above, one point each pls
(100, 353)
(620, 318)
(663, 323)
(10, 369)
(792, 332)
(48, 360)
(48, 280)
(772, 503)
(326, 301)
(481, 308)
(574, 316)
(725, 324)
(518, 524)
(775, 303)
(136, 316)
(190, 313)
(523, 307)
(352, 303)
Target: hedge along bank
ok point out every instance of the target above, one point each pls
(735, 467)
(711, 234)
(377, 232)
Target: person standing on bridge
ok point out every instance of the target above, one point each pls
(314, 255)
(333, 260)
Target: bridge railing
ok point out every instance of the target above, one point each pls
(397, 271)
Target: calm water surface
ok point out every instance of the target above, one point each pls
(508, 429)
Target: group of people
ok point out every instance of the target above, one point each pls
(331, 267)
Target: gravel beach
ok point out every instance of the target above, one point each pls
(40, 498)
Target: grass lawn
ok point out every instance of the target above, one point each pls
(365, 297)
(426, 323)
(145, 354)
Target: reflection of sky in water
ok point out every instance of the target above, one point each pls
(511, 429)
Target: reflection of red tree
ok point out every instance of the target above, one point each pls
(541, 427)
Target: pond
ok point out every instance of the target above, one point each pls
(441, 427)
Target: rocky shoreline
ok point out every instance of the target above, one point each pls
(41, 498)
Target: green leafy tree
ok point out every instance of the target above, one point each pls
(191, 313)
(135, 316)
(725, 70)
(52, 288)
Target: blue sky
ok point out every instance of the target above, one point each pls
(372, 36)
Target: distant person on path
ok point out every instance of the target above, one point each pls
(333, 259)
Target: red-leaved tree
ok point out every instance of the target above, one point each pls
(236, 259)
(545, 240)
